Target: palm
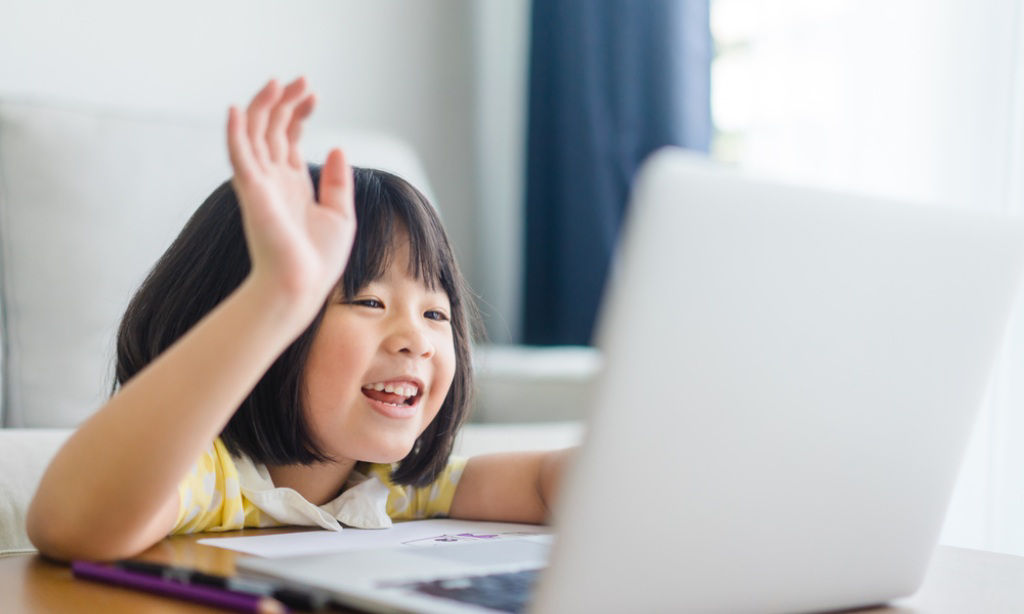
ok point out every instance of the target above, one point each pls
(300, 246)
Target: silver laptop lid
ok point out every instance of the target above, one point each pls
(790, 379)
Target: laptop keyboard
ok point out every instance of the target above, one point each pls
(505, 592)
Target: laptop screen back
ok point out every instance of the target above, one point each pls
(791, 376)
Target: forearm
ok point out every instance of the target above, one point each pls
(122, 466)
(549, 477)
(510, 486)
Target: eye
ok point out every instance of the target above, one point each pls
(436, 315)
(372, 303)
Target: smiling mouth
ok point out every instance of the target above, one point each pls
(400, 397)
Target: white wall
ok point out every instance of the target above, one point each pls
(404, 68)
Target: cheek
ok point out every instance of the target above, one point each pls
(335, 358)
(444, 372)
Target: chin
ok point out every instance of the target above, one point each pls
(389, 453)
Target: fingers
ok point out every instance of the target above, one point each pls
(336, 185)
(301, 112)
(239, 148)
(268, 131)
(281, 118)
(256, 120)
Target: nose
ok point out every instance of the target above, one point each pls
(408, 338)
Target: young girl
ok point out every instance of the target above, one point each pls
(283, 364)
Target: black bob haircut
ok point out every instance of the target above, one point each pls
(209, 260)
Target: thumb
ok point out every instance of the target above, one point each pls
(336, 184)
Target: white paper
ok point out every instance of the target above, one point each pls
(416, 533)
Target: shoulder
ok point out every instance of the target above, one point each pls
(210, 495)
(214, 466)
(414, 502)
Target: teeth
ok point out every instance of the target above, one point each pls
(399, 389)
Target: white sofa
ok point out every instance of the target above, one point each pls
(89, 198)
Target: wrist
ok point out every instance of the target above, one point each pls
(291, 308)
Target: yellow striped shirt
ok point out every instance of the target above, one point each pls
(212, 497)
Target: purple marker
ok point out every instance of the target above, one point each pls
(240, 602)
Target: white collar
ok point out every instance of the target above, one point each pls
(362, 504)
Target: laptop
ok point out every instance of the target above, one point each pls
(789, 382)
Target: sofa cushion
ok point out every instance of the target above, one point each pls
(89, 199)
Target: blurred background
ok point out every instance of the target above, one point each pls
(529, 119)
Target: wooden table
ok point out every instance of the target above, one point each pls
(959, 582)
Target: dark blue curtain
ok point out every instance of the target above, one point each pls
(610, 82)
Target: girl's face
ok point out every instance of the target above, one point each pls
(380, 366)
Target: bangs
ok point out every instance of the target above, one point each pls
(387, 209)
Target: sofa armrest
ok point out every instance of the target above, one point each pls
(24, 455)
(486, 438)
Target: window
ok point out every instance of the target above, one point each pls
(912, 99)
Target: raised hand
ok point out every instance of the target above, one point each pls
(296, 246)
